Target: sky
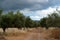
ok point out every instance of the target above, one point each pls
(36, 9)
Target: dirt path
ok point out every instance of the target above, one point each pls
(33, 36)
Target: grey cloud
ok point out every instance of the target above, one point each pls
(30, 4)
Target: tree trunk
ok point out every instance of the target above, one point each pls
(4, 29)
(46, 27)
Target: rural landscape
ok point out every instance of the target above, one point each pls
(29, 20)
(16, 26)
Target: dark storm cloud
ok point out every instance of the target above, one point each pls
(30, 4)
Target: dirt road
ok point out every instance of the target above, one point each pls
(33, 36)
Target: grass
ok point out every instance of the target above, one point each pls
(17, 32)
(55, 33)
(13, 32)
(51, 34)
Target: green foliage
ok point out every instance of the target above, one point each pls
(18, 20)
(28, 22)
(36, 24)
(0, 12)
(53, 20)
(43, 22)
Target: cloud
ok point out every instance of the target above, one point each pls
(37, 1)
(46, 11)
(34, 8)
(30, 4)
(26, 10)
(37, 15)
(22, 4)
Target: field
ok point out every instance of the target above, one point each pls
(29, 34)
(17, 34)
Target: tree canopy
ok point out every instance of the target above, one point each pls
(17, 20)
(53, 20)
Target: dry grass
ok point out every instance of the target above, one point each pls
(55, 33)
(36, 30)
(13, 32)
(50, 34)
(17, 32)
